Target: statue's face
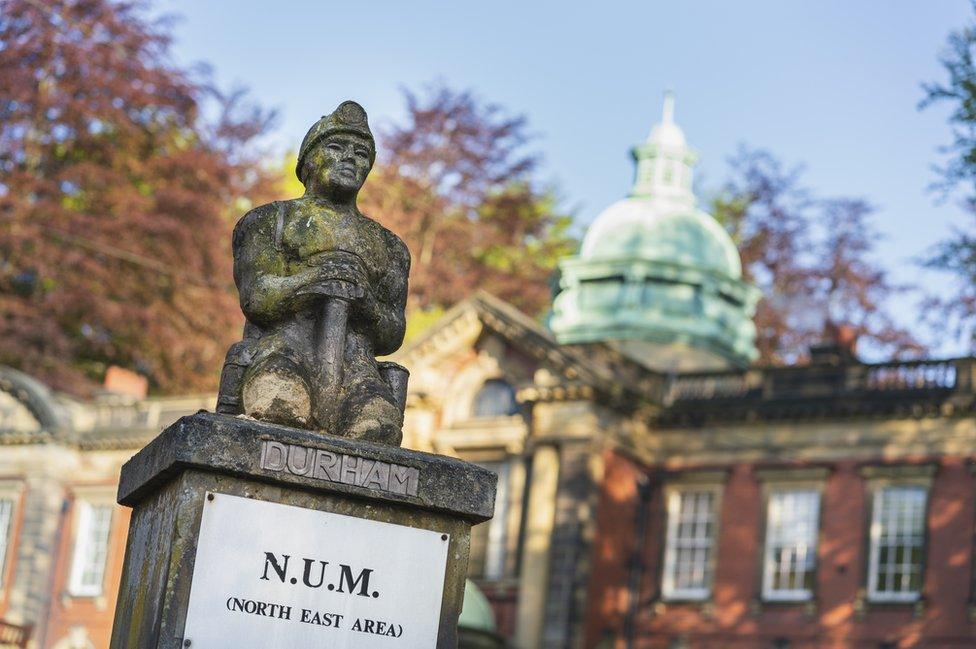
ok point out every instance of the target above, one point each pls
(339, 163)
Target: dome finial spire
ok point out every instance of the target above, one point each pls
(667, 114)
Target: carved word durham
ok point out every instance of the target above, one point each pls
(339, 467)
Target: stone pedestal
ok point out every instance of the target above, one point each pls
(375, 515)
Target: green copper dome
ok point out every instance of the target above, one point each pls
(476, 612)
(657, 274)
(635, 228)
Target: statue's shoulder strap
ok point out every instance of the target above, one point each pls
(279, 225)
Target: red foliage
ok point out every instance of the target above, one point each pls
(811, 258)
(117, 199)
(455, 182)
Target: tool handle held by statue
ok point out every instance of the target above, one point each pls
(330, 338)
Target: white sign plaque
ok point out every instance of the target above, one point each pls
(269, 575)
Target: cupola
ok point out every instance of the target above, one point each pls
(658, 275)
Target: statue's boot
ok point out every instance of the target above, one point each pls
(238, 359)
(275, 390)
(370, 412)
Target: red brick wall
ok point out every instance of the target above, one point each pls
(736, 617)
(95, 614)
(503, 598)
(612, 545)
(615, 544)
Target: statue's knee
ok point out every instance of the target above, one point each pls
(277, 389)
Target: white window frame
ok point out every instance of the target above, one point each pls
(497, 543)
(673, 495)
(85, 543)
(10, 492)
(775, 539)
(874, 555)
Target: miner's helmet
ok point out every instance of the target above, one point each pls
(350, 118)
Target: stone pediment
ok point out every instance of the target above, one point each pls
(591, 371)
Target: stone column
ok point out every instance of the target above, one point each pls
(568, 563)
(29, 595)
(539, 521)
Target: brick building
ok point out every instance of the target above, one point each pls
(62, 538)
(655, 488)
(658, 490)
(825, 505)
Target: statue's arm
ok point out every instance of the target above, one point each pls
(390, 300)
(267, 292)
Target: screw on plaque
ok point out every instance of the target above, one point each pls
(443, 537)
(209, 497)
(187, 643)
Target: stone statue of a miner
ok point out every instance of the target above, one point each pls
(323, 288)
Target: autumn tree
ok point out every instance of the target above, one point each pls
(117, 198)
(456, 180)
(956, 254)
(766, 212)
(852, 286)
(810, 257)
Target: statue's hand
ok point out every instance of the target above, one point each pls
(333, 288)
(336, 274)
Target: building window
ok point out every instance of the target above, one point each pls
(496, 398)
(897, 541)
(689, 544)
(6, 525)
(91, 549)
(792, 521)
(490, 539)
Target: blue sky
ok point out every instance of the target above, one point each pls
(833, 85)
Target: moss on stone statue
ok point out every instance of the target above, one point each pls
(323, 288)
